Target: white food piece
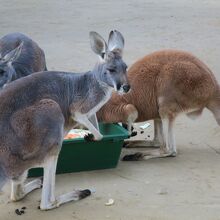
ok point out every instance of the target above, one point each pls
(110, 202)
(162, 191)
(144, 126)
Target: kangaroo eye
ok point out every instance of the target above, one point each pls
(111, 70)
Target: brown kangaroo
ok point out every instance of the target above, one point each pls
(163, 85)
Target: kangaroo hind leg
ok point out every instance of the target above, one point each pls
(19, 189)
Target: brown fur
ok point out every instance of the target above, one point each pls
(164, 84)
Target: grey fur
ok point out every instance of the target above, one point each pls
(115, 41)
(98, 44)
(19, 57)
(3, 178)
(37, 110)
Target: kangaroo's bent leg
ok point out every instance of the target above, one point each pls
(156, 142)
(49, 201)
(19, 190)
(167, 149)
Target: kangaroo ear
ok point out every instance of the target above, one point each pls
(98, 44)
(116, 41)
(13, 54)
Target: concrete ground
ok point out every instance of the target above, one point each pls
(185, 187)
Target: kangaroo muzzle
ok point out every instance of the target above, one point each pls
(125, 88)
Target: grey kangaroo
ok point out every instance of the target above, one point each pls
(38, 110)
(19, 56)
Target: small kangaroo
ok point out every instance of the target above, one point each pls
(163, 85)
(19, 57)
(38, 110)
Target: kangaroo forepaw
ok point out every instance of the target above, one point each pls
(133, 133)
(89, 137)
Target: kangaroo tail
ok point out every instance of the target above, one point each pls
(214, 105)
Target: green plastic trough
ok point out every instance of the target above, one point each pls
(78, 155)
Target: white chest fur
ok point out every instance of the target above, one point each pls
(92, 111)
(107, 96)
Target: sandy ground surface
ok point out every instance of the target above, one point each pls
(185, 187)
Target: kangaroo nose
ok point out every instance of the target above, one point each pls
(126, 88)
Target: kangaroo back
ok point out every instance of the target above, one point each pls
(19, 57)
(32, 56)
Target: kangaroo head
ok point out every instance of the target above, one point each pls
(111, 69)
(7, 71)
